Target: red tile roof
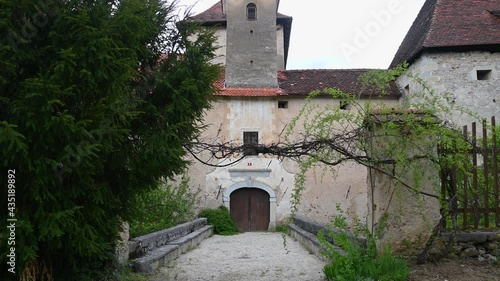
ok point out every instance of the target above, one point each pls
(452, 25)
(214, 16)
(251, 92)
(303, 82)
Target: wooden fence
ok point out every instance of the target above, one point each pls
(476, 184)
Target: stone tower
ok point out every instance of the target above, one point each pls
(251, 52)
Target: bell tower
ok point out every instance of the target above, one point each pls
(251, 51)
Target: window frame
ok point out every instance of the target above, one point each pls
(251, 12)
(250, 138)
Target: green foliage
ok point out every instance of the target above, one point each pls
(121, 272)
(97, 104)
(360, 262)
(221, 220)
(163, 207)
(282, 228)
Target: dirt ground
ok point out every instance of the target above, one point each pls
(456, 270)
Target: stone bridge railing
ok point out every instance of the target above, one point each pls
(150, 251)
(306, 232)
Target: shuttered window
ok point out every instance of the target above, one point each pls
(250, 141)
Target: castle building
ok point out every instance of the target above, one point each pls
(455, 47)
(452, 44)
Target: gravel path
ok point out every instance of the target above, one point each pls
(245, 257)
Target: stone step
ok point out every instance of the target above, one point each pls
(193, 239)
(162, 255)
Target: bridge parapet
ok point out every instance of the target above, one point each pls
(155, 249)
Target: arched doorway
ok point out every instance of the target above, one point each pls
(250, 208)
(252, 184)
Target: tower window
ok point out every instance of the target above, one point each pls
(251, 11)
(250, 141)
(483, 74)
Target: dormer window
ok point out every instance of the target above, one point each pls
(251, 11)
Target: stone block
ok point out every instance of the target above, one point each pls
(494, 236)
(310, 241)
(158, 257)
(149, 242)
(473, 237)
(315, 228)
(193, 239)
(471, 252)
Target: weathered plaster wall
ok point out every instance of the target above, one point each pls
(280, 45)
(411, 215)
(251, 53)
(220, 33)
(220, 53)
(456, 73)
(227, 121)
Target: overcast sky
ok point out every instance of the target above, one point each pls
(342, 33)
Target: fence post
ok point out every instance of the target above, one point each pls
(475, 189)
(486, 190)
(495, 171)
(466, 198)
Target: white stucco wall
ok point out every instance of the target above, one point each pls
(455, 73)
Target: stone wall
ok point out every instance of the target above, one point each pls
(484, 246)
(409, 214)
(456, 73)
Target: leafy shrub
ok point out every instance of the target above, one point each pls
(221, 220)
(163, 207)
(360, 262)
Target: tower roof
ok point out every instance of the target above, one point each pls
(214, 16)
(452, 25)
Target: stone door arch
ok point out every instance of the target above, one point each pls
(259, 185)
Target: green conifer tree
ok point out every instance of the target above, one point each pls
(97, 101)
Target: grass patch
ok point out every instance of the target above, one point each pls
(282, 228)
(360, 262)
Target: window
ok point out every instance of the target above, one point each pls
(407, 90)
(282, 104)
(250, 142)
(483, 74)
(251, 12)
(344, 105)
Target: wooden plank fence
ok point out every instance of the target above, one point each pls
(476, 184)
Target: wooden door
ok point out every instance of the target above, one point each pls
(250, 209)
